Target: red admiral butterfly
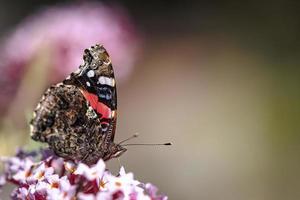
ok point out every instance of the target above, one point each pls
(77, 118)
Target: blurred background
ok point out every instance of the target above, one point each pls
(220, 80)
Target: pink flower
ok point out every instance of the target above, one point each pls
(20, 193)
(19, 170)
(124, 182)
(42, 172)
(66, 188)
(91, 173)
(152, 190)
(82, 196)
(82, 182)
(60, 188)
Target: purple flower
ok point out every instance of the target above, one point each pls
(124, 182)
(20, 193)
(152, 190)
(42, 172)
(18, 170)
(91, 173)
(43, 179)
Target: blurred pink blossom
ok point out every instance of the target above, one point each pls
(62, 33)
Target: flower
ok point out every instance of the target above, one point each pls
(20, 193)
(55, 178)
(93, 173)
(19, 170)
(124, 182)
(152, 190)
(43, 172)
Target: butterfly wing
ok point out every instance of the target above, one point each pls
(96, 80)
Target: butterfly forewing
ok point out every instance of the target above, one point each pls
(97, 83)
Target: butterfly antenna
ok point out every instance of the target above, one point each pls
(158, 144)
(131, 137)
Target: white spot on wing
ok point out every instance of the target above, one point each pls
(106, 81)
(101, 80)
(91, 73)
(88, 84)
(109, 82)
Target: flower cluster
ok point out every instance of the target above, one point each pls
(55, 178)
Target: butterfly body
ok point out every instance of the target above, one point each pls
(77, 118)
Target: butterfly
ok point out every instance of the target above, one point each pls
(77, 118)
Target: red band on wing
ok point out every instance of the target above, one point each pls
(99, 107)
